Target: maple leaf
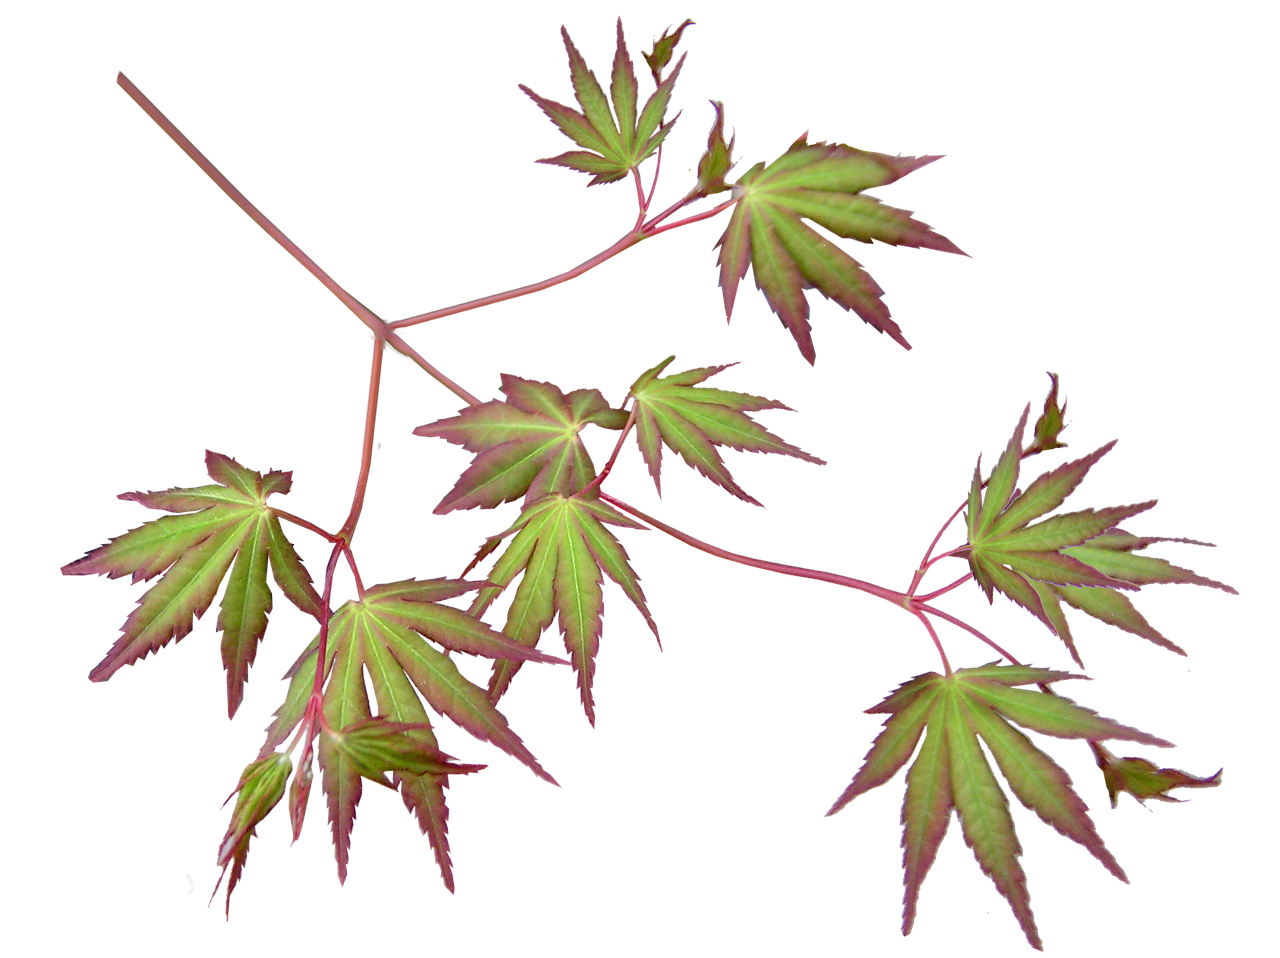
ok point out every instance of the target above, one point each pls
(1081, 558)
(951, 772)
(527, 445)
(822, 182)
(663, 47)
(561, 545)
(613, 148)
(692, 420)
(1143, 779)
(1050, 424)
(716, 160)
(381, 636)
(220, 527)
(259, 790)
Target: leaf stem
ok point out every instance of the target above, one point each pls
(937, 643)
(309, 526)
(925, 562)
(946, 588)
(316, 703)
(967, 627)
(657, 168)
(650, 231)
(643, 207)
(608, 466)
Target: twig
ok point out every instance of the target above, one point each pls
(632, 237)
(374, 323)
(764, 565)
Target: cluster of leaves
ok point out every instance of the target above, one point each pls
(820, 182)
(398, 638)
(1081, 558)
(527, 445)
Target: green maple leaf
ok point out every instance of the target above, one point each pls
(527, 445)
(612, 147)
(1082, 558)
(561, 546)
(822, 182)
(692, 420)
(381, 637)
(1143, 779)
(220, 527)
(951, 772)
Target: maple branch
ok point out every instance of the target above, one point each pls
(368, 436)
(897, 598)
(368, 439)
(362, 312)
(641, 232)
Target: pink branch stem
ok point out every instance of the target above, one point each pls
(617, 448)
(362, 312)
(937, 643)
(946, 588)
(967, 627)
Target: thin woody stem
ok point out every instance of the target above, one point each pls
(368, 437)
(640, 232)
(912, 604)
(362, 312)
(897, 598)
(376, 357)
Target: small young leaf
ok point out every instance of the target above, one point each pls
(1143, 780)
(376, 746)
(260, 789)
(663, 47)
(1050, 424)
(716, 160)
